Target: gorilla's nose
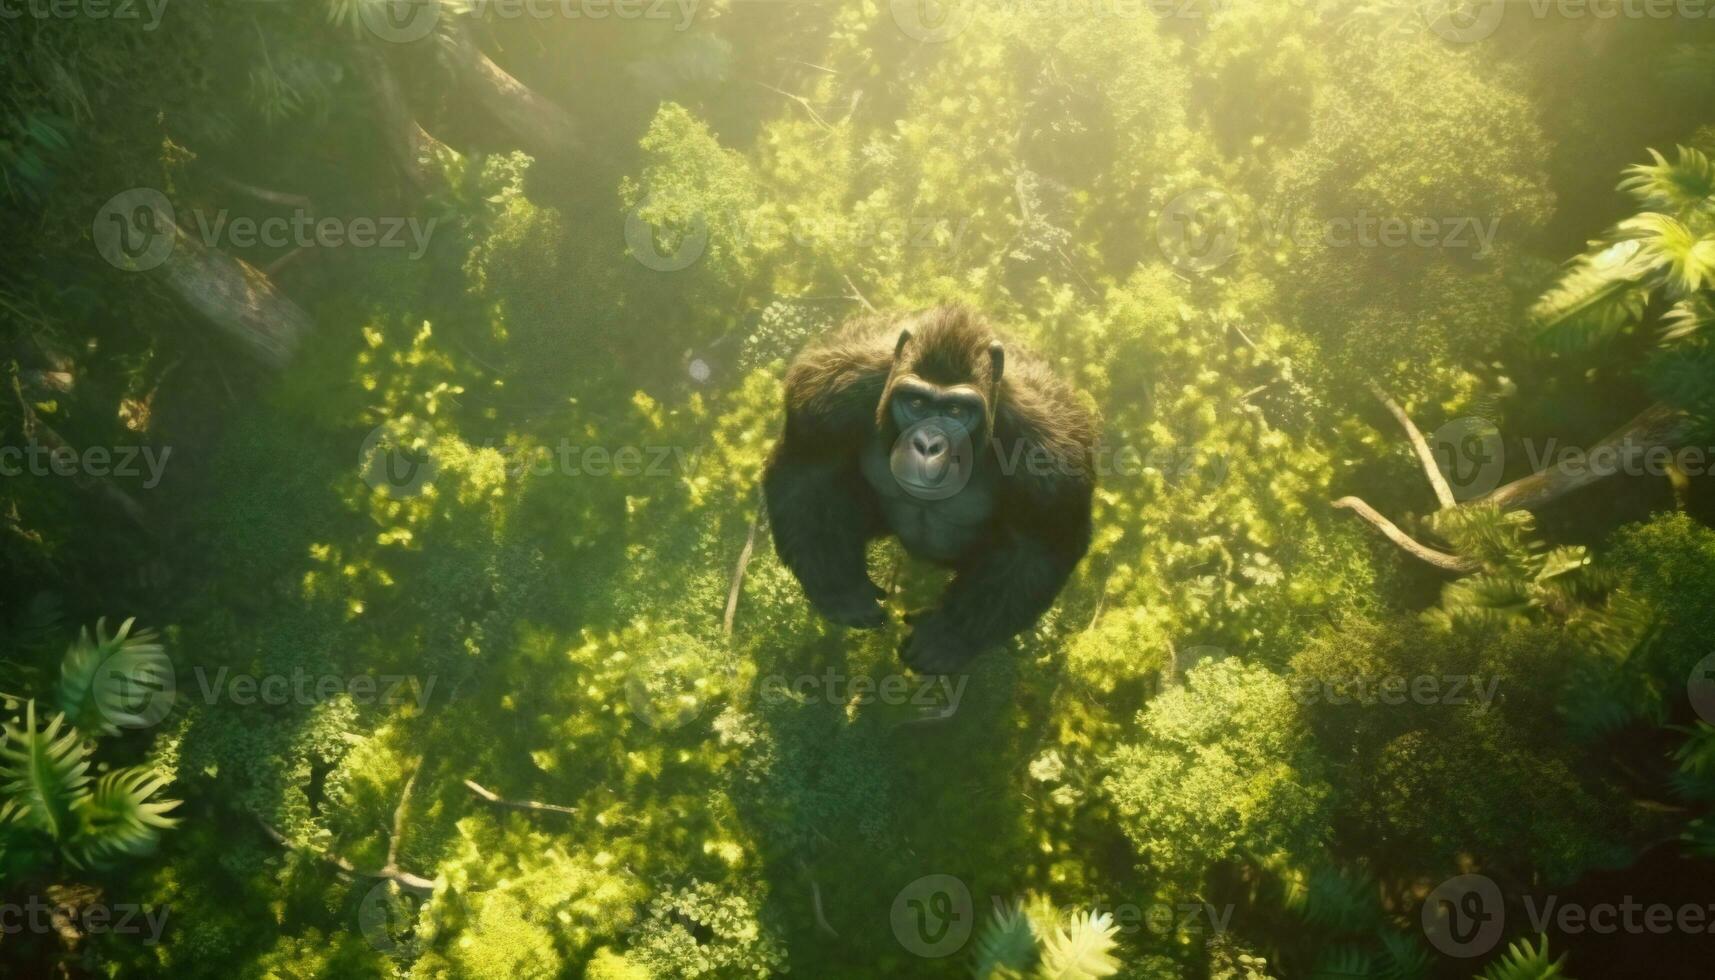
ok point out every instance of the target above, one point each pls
(927, 444)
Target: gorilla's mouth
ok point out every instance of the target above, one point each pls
(932, 486)
(932, 483)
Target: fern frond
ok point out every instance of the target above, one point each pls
(1688, 318)
(45, 773)
(1694, 779)
(1340, 902)
(1696, 755)
(1525, 961)
(1080, 950)
(120, 818)
(114, 682)
(1007, 945)
(1402, 957)
(1499, 539)
(1564, 560)
(1594, 710)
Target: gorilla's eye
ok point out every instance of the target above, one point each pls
(917, 403)
(956, 411)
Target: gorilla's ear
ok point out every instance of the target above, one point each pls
(997, 361)
(899, 345)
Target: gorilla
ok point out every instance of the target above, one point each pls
(934, 429)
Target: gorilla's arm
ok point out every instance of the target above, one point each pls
(820, 510)
(822, 514)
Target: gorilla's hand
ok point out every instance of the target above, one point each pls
(858, 607)
(934, 646)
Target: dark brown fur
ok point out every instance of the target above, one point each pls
(1039, 440)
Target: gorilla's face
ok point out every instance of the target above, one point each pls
(934, 456)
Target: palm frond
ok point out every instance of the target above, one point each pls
(1597, 296)
(1687, 257)
(1685, 184)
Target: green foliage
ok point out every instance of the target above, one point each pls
(110, 682)
(1525, 960)
(623, 651)
(1222, 769)
(1336, 901)
(1031, 939)
(699, 931)
(44, 774)
(1079, 949)
(1522, 580)
(1006, 946)
(1653, 267)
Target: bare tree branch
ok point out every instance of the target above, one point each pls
(1440, 559)
(284, 199)
(738, 572)
(1658, 428)
(858, 295)
(399, 815)
(1437, 481)
(822, 924)
(402, 878)
(492, 797)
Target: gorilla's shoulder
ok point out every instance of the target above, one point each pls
(834, 384)
(1041, 418)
